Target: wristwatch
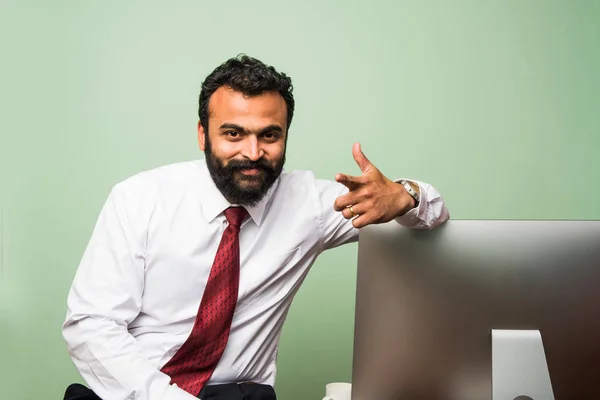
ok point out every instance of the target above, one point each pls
(413, 189)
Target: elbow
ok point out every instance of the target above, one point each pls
(438, 215)
(70, 334)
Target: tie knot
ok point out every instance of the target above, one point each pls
(235, 215)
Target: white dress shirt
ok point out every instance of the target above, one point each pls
(136, 292)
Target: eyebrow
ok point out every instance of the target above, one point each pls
(269, 128)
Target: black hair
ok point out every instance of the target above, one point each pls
(249, 76)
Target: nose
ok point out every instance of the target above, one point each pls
(251, 148)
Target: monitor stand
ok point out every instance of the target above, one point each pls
(519, 368)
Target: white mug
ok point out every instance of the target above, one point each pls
(338, 391)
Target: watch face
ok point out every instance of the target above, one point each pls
(410, 188)
(415, 187)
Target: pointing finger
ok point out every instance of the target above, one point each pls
(351, 182)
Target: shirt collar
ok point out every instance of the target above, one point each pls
(214, 203)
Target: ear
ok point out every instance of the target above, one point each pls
(201, 137)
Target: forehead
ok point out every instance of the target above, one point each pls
(228, 105)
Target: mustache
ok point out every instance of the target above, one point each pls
(248, 164)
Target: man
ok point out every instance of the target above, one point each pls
(190, 271)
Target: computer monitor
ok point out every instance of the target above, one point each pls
(478, 310)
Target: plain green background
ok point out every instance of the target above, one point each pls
(496, 103)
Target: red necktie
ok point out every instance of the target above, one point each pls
(193, 364)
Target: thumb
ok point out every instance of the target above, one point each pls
(363, 162)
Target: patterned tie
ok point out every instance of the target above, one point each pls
(193, 364)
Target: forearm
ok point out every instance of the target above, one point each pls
(113, 364)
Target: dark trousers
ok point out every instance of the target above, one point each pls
(229, 391)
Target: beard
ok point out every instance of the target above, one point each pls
(235, 186)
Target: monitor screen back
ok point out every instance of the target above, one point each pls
(427, 302)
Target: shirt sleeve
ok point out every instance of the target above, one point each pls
(106, 295)
(431, 211)
(337, 230)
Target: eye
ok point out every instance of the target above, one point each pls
(232, 134)
(270, 136)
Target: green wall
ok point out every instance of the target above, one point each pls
(497, 103)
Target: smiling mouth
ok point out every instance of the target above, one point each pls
(250, 171)
(250, 175)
